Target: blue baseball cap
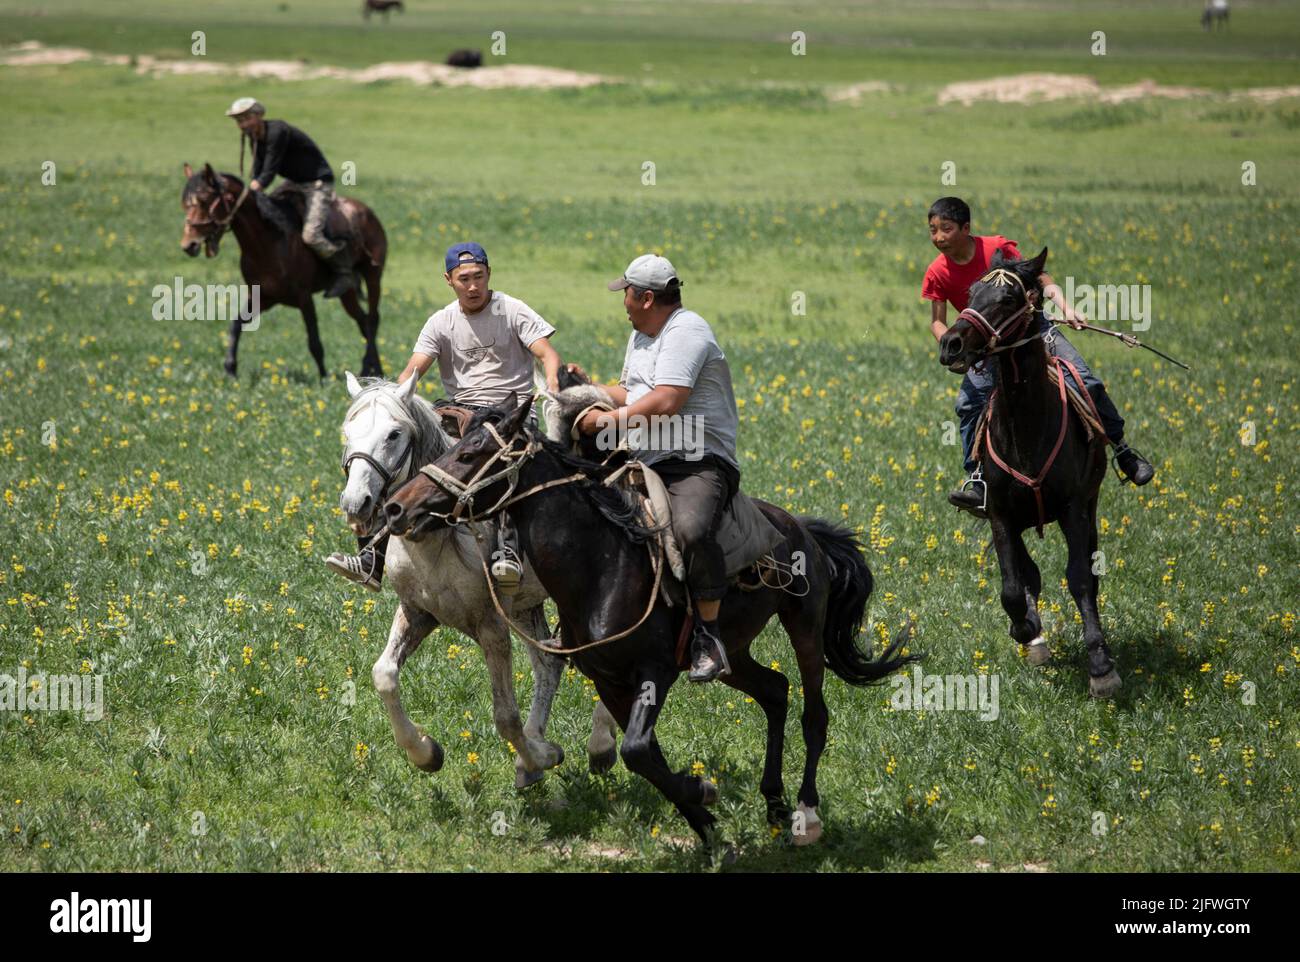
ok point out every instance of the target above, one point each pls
(466, 253)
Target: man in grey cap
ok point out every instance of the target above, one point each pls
(675, 370)
(280, 148)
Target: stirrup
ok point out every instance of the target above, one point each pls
(724, 666)
(977, 478)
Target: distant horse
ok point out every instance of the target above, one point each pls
(274, 258)
(465, 58)
(1040, 464)
(381, 6)
(586, 543)
(1215, 14)
(390, 431)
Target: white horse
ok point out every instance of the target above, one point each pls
(389, 431)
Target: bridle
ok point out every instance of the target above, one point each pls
(399, 470)
(220, 223)
(1009, 328)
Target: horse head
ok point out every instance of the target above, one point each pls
(471, 481)
(387, 433)
(209, 201)
(1001, 305)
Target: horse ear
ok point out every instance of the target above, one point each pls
(354, 386)
(407, 388)
(517, 416)
(1036, 265)
(209, 174)
(189, 171)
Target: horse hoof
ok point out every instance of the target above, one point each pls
(435, 760)
(708, 792)
(602, 763)
(1105, 686)
(805, 825)
(1037, 652)
(524, 778)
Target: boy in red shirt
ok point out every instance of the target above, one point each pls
(963, 259)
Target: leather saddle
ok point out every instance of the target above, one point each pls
(288, 210)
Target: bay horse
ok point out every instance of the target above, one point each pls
(1040, 464)
(597, 561)
(276, 260)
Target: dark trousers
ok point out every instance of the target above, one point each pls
(699, 492)
(976, 387)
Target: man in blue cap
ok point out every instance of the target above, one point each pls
(485, 343)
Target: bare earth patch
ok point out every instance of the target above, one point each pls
(420, 72)
(1031, 88)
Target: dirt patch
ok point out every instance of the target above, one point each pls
(855, 92)
(420, 72)
(1032, 88)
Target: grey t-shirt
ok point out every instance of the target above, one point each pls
(684, 354)
(483, 358)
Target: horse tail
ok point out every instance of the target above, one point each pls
(851, 585)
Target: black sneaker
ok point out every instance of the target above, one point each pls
(708, 656)
(359, 568)
(1133, 466)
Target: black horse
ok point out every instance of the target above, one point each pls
(1039, 464)
(587, 545)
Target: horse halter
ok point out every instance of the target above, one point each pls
(1010, 327)
(383, 473)
(213, 220)
(514, 457)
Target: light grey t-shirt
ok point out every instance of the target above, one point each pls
(483, 358)
(684, 354)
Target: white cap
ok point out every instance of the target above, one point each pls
(243, 105)
(649, 272)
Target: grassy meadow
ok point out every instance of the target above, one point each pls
(163, 525)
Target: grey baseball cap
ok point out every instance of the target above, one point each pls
(649, 272)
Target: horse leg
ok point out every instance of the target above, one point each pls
(1037, 652)
(546, 679)
(370, 361)
(1014, 592)
(602, 746)
(1078, 524)
(807, 641)
(534, 755)
(374, 276)
(771, 690)
(642, 755)
(308, 308)
(232, 346)
(410, 627)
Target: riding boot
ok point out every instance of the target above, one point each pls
(708, 654)
(344, 279)
(1133, 465)
(972, 496)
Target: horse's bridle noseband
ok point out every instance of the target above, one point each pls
(464, 491)
(1012, 326)
(213, 220)
(379, 468)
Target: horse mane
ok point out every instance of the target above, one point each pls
(419, 416)
(1021, 268)
(614, 504)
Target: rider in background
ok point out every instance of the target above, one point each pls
(280, 148)
(963, 259)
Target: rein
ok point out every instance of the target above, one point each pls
(516, 458)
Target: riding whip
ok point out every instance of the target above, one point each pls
(1130, 341)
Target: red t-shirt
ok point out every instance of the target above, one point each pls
(946, 280)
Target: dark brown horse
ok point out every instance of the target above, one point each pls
(276, 260)
(1038, 461)
(591, 554)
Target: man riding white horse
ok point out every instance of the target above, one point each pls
(281, 149)
(485, 343)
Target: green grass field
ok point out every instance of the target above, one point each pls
(162, 525)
